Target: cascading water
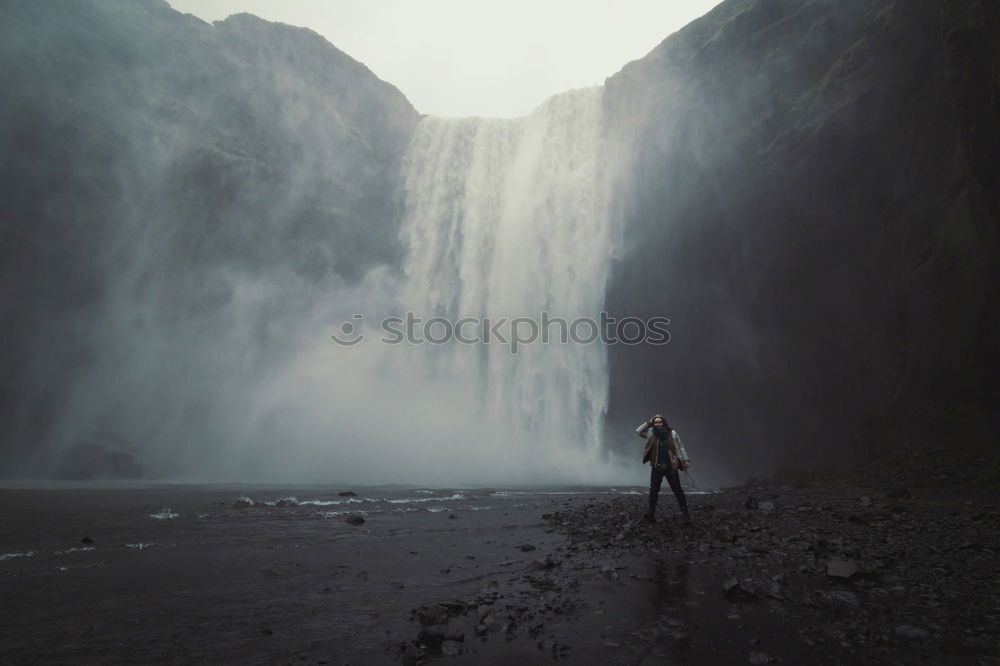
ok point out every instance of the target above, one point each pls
(509, 218)
(503, 219)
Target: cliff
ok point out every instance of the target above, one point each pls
(813, 202)
(143, 151)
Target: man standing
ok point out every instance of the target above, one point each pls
(666, 456)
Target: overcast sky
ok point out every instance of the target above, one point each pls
(465, 57)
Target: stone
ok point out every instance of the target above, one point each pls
(454, 635)
(844, 569)
(355, 519)
(910, 632)
(736, 590)
(849, 570)
(412, 654)
(453, 607)
(431, 638)
(432, 615)
(845, 598)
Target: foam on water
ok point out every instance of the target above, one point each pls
(165, 514)
(10, 556)
(337, 514)
(349, 500)
(408, 500)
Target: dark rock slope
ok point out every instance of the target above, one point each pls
(813, 202)
(143, 149)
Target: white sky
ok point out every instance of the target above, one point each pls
(465, 58)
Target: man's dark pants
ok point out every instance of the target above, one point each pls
(673, 478)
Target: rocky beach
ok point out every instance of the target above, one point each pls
(892, 563)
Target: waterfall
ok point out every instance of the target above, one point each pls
(509, 218)
(502, 219)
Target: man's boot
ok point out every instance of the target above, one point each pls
(685, 516)
(650, 515)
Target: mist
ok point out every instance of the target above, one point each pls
(195, 209)
(251, 221)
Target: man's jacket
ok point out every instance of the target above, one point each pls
(650, 453)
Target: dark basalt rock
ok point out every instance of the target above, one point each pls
(737, 590)
(819, 186)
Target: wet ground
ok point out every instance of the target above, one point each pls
(897, 566)
(180, 574)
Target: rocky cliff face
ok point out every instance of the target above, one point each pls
(144, 153)
(814, 203)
